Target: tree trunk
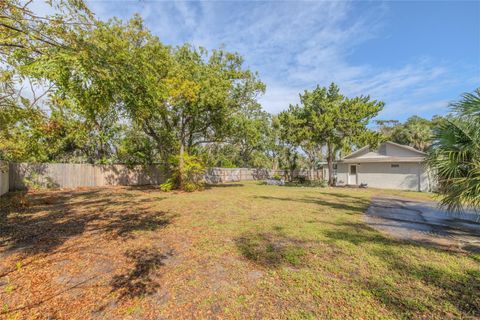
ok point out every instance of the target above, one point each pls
(181, 161)
(330, 165)
(274, 163)
(181, 166)
(311, 167)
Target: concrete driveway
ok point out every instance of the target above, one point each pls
(425, 222)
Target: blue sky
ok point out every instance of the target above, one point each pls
(415, 56)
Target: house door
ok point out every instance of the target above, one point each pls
(352, 175)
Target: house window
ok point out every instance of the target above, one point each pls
(395, 166)
(353, 169)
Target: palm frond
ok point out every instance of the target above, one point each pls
(455, 155)
(469, 105)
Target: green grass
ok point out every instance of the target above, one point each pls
(248, 251)
(322, 260)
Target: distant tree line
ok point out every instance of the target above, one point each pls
(416, 131)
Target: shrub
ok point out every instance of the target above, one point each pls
(276, 176)
(36, 181)
(167, 185)
(309, 183)
(33, 181)
(192, 175)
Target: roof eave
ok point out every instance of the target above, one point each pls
(406, 147)
(380, 160)
(355, 152)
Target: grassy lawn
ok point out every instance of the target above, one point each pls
(241, 251)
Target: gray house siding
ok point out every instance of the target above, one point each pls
(392, 166)
(403, 176)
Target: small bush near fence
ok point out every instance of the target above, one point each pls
(308, 183)
(192, 175)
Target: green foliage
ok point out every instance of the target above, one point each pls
(32, 181)
(366, 138)
(36, 181)
(26, 36)
(39, 128)
(114, 93)
(135, 147)
(168, 185)
(250, 137)
(455, 154)
(416, 132)
(327, 118)
(276, 176)
(247, 145)
(302, 182)
(191, 175)
(117, 94)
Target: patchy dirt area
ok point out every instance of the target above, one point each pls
(103, 254)
(424, 221)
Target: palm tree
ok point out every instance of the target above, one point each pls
(420, 134)
(455, 154)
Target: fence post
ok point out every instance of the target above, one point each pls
(4, 177)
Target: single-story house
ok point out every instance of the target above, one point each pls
(391, 166)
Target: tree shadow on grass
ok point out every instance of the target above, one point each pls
(139, 281)
(48, 219)
(358, 233)
(353, 205)
(125, 223)
(344, 196)
(271, 250)
(144, 189)
(223, 185)
(460, 289)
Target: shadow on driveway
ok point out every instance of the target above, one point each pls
(424, 221)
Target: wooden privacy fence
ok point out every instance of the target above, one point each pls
(21, 176)
(222, 175)
(69, 175)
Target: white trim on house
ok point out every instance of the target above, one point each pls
(352, 175)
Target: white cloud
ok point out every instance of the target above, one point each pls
(408, 108)
(297, 45)
(279, 97)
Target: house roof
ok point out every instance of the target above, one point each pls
(365, 155)
(406, 147)
(384, 159)
(357, 152)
